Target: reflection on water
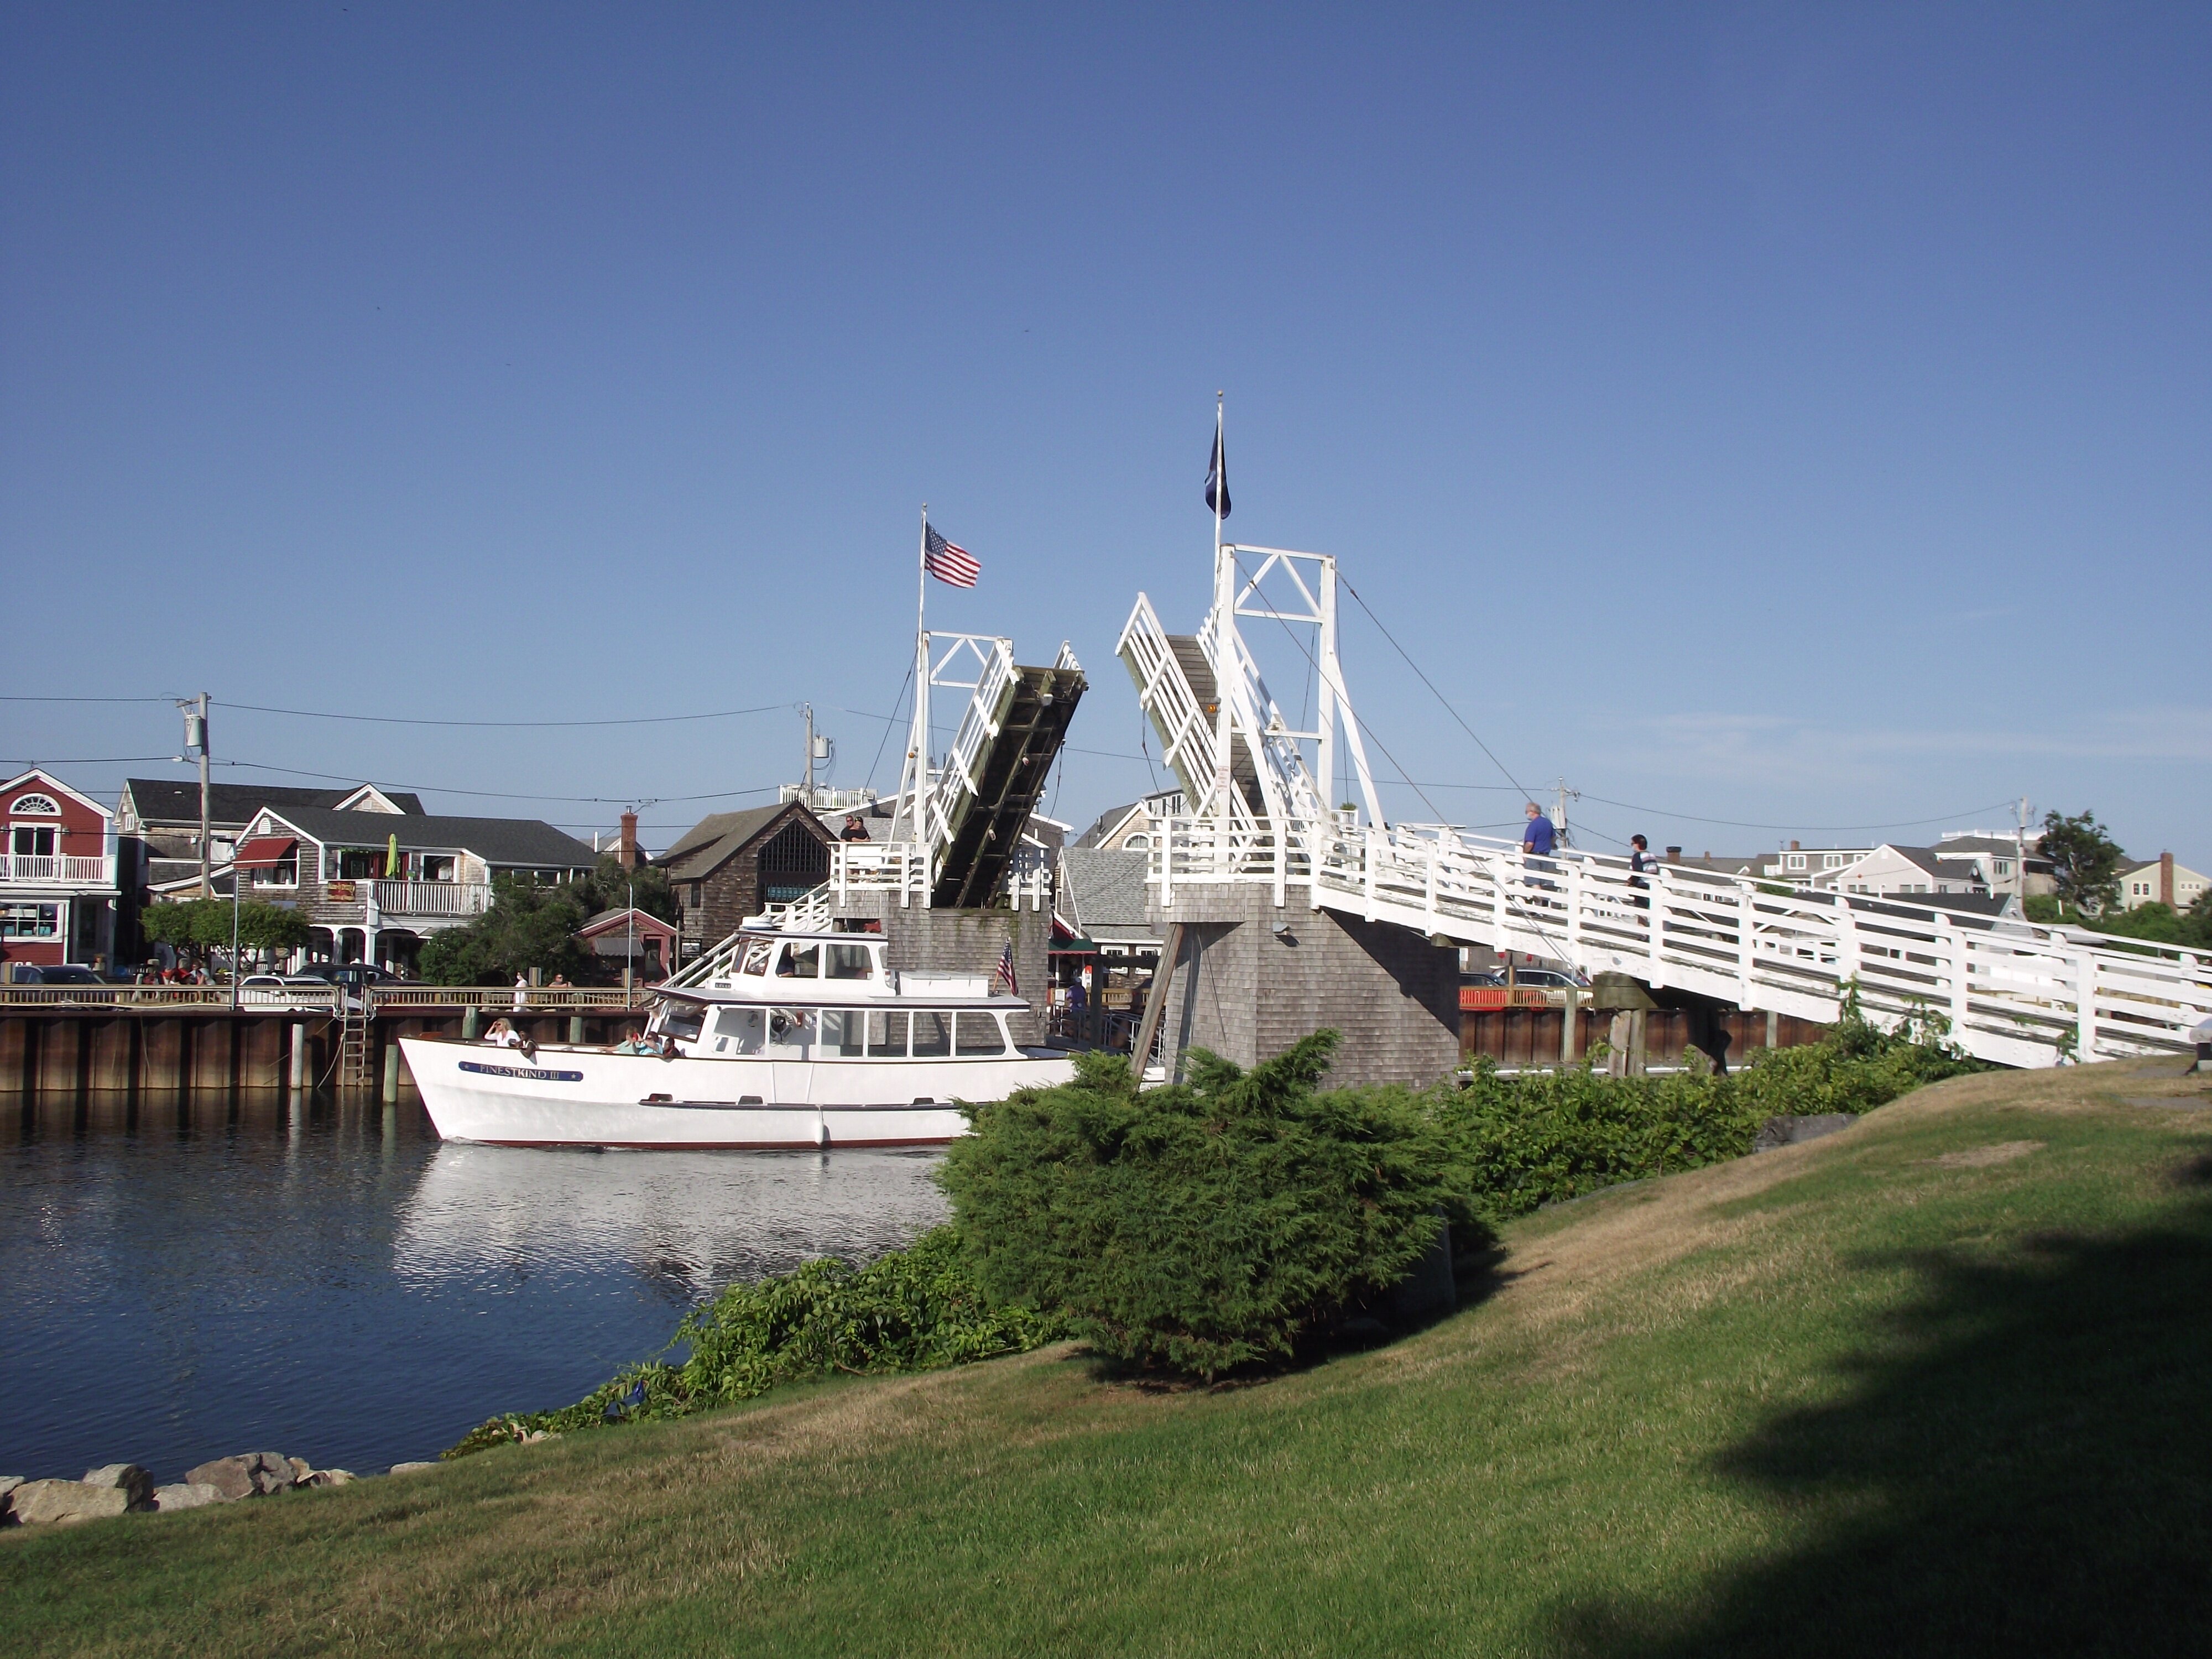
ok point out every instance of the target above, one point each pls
(187, 1278)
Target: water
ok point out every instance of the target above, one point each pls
(183, 1281)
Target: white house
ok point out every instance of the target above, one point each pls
(1890, 870)
(2159, 881)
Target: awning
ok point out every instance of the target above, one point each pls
(264, 852)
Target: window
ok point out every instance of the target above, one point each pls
(932, 1035)
(433, 867)
(887, 1036)
(738, 1032)
(1832, 860)
(2004, 867)
(30, 921)
(286, 874)
(34, 841)
(1793, 861)
(35, 806)
(757, 955)
(800, 962)
(976, 1035)
(790, 1031)
(680, 1019)
(848, 961)
(842, 1029)
(1138, 844)
(696, 891)
(359, 864)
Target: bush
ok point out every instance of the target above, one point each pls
(526, 927)
(1545, 1137)
(1201, 1227)
(915, 1309)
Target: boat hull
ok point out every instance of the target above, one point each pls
(565, 1097)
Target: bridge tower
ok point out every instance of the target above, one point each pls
(1249, 968)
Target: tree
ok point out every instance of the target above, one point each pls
(610, 887)
(199, 926)
(527, 926)
(2085, 862)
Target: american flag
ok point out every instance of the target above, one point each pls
(948, 561)
(1006, 968)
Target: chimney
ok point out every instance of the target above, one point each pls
(2165, 878)
(1673, 855)
(1795, 847)
(626, 850)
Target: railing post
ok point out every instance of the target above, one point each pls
(1958, 945)
(2085, 1012)
(1747, 939)
(1367, 872)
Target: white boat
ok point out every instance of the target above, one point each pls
(807, 1040)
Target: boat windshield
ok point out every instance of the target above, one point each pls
(800, 962)
(681, 1020)
(757, 952)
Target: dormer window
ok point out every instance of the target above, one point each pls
(1793, 861)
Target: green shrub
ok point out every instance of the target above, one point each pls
(1203, 1227)
(1545, 1137)
(913, 1309)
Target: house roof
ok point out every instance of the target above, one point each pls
(496, 841)
(608, 921)
(231, 806)
(720, 835)
(39, 778)
(1103, 889)
(1935, 863)
(1106, 823)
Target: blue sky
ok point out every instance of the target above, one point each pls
(1791, 416)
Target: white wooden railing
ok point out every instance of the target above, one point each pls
(2017, 993)
(433, 898)
(66, 869)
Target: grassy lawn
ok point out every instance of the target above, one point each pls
(1940, 1384)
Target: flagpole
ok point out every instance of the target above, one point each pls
(1224, 605)
(917, 754)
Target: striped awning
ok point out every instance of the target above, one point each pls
(264, 852)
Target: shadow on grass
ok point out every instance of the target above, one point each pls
(2025, 1467)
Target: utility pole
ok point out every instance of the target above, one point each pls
(195, 738)
(2019, 856)
(808, 789)
(1559, 814)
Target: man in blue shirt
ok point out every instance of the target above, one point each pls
(1538, 837)
(1536, 840)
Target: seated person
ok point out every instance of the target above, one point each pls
(503, 1036)
(633, 1043)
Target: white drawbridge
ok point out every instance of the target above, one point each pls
(2013, 992)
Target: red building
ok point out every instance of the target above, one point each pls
(57, 878)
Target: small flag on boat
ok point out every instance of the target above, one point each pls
(1006, 968)
(948, 561)
(1217, 476)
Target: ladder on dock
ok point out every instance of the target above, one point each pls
(356, 1060)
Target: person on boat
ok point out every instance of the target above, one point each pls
(502, 1035)
(634, 1043)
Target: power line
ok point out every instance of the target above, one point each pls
(1432, 685)
(407, 720)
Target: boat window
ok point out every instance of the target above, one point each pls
(683, 1020)
(978, 1034)
(848, 961)
(887, 1036)
(738, 1032)
(756, 956)
(841, 1031)
(932, 1035)
(790, 1030)
(801, 962)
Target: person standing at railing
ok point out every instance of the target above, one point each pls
(855, 830)
(1537, 840)
(521, 992)
(1639, 860)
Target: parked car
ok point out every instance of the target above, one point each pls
(283, 991)
(353, 974)
(1533, 979)
(62, 973)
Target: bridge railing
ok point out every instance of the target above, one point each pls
(2011, 991)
